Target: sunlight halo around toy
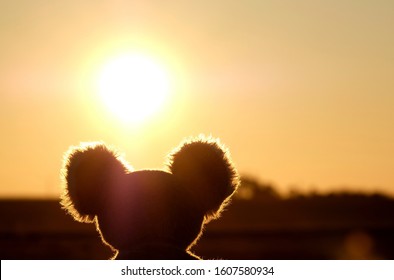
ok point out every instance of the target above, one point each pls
(133, 86)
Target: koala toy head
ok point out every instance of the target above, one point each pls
(149, 214)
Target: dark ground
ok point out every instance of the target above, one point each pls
(337, 226)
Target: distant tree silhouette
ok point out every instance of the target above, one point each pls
(251, 188)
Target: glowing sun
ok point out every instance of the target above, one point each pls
(133, 86)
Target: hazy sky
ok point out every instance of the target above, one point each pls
(301, 91)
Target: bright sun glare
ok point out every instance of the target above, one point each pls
(133, 86)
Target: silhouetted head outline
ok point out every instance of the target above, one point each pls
(149, 214)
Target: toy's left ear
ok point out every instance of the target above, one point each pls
(204, 168)
(90, 171)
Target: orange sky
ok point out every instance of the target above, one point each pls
(301, 92)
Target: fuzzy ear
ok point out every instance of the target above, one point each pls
(88, 171)
(203, 167)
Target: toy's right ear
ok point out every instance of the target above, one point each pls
(89, 172)
(203, 166)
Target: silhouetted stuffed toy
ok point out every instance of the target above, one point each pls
(149, 214)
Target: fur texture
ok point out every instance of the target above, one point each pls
(149, 213)
(204, 168)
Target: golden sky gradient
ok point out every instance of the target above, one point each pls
(302, 92)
